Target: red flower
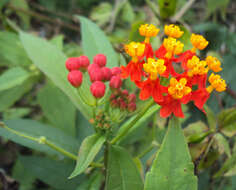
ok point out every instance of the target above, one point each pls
(184, 57)
(133, 69)
(148, 52)
(171, 105)
(200, 97)
(151, 88)
(160, 53)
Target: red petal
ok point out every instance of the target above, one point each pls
(160, 53)
(178, 109)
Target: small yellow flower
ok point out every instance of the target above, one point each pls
(154, 67)
(213, 63)
(148, 30)
(172, 46)
(173, 31)
(178, 89)
(198, 42)
(196, 67)
(217, 83)
(135, 50)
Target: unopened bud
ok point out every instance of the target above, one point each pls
(72, 63)
(123, 105)
(96, 75)
(114, 103)
(91, 67)
(116, 71)
(75, 77)
(132, 98)
(83, 63)
(125, 93)
(98, 89)
(131, 107)
(100, 60)
(106, 72)
(115, 82)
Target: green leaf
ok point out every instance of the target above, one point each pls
(229, 164)
(211, 118)
(130, 137)
(94, 41)
(101, 14)
(93, 183)
(13, 77)
(12, 52)
(51, 172)
(88, 150)
(196, 132)
(58, 41)
(36, 129)
(15, 113)
(222, 144)
(57, 108)
(10, 96)
(127, 14)
(25, 18)
(122, 173)
(213, 5)
(167, 8)
(172, 168)
(24, 177)
(51, 61)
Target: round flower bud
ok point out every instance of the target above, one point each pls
(115, 71)
(131, 107)
(98, 89)
(75, 77)
(83, 62)
(123, 105)
(96, 75)
(106, 72)
(100, 60)
(125, 93)
(91, 67)
(115, 82)
(72, 63)
(114, 103)
(132, 98)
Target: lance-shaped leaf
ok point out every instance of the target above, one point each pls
(122, 173)
(172, 168)
(94, 41)
(88, 150)
(51, 61)
(13, 77)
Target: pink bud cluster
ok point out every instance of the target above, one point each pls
(75, 66)
(98, 74)
(123, 100)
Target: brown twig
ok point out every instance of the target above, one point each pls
(182, 11)
(231, 92)
(45, 18)
(44, 9)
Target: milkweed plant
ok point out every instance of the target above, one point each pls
(163, 79)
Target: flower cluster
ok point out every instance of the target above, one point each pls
(98, 74)
(123, 100)
(101, 121)
(154, 73)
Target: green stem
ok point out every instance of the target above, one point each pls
(132, 123)
(154, 8)
(153, 145)
(43, 140)
(82, 98)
